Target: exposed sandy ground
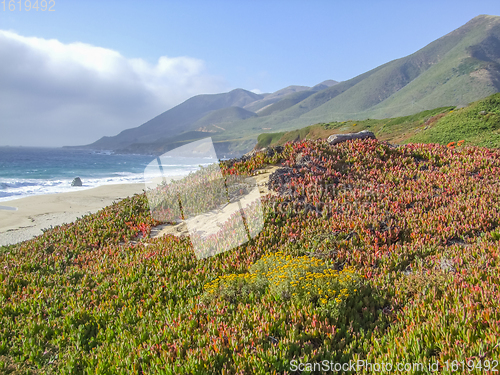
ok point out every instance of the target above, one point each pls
(43, 211)
(263, 178)
(210, 222)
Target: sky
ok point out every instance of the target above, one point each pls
(91, 68)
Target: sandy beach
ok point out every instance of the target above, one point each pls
(24, 218)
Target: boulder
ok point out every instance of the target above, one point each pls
(77, 182)
(338, 138)
(249, 154)
(269, 151)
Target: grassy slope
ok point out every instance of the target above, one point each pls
(419, 224)
(223, 116)
(274, 97)
(395, 130)
(287, 102)
(477, 124)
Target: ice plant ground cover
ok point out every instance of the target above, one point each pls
(408, 238)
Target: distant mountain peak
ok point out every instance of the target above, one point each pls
(324, 85)
(328, 82)
(458, 68)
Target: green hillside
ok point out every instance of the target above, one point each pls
(223, 116)
(476, 124)
(259, 104)
(287, 102)
(439, 74)
(394, 130)
(285, 94)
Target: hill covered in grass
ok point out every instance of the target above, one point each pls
(369, 251)
(476, 124)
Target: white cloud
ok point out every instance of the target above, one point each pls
(256, 91)
(54, 94)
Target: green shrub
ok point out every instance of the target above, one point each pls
(329, 289)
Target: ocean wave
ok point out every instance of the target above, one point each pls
(30, 172)
(20, 188)
(11, 188)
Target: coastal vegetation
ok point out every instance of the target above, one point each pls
(476, 124)
(369, 251)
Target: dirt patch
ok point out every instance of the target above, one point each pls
(263, 177)
(433, 119)
(166, 229)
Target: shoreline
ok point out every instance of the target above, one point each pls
(25, 217)
(29, 215)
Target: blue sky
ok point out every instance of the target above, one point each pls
(214, 46)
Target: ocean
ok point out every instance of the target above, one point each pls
(26, 171)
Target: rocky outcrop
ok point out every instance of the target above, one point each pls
(338, 138)
(269, 151)
(76, 182)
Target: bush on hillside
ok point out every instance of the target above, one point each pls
(303, 280)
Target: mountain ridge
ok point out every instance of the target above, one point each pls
(183, 114)
(456, 69)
